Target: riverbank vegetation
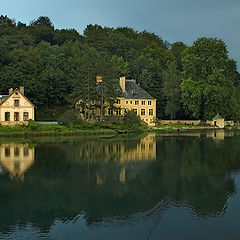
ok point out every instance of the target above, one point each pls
(59, 66)
(72, 125)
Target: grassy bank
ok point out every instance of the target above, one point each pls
(54, 130)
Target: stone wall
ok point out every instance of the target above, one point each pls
(181, 122)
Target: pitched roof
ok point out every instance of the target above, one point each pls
(5, 97)
(134, 91)
(217, 117)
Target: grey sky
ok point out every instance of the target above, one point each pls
(172, 20)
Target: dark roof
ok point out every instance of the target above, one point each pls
(2, 98)
(217, 117)
(134, 91)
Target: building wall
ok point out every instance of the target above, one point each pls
(216, 123)
(139, 105)
(8, 106)
(181, 122)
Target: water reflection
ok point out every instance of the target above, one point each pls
(118, 178)
(16, 158)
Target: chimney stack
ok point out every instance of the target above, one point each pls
(122, 83)
(22, 90)
(134, 80)
(98, 79)
(10, 91)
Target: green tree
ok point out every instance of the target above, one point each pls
(171, 90)
(207, 79)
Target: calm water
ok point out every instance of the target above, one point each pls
(180, 186)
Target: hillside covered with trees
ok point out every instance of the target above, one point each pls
(59, 66)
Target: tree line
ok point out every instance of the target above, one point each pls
(59, 66)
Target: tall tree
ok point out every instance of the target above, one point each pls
(206, 69)
(171, 90)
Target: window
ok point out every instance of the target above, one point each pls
(130, 102)
(118, 112)
(7, 116)
(149, 102)
(125, 111)
(16, 165)
(135, 111)
(136, 102)
(25, 116)
(142, 111)
(150, 112)
(16, 103)
(16, 151)
(7, 152)
(110, 111)
(143, 102)
(118, 101)
(25, 151)
(126, 102)
(16, 116)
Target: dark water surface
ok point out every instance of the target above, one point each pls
(172, 186)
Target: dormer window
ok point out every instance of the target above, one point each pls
(16, 103)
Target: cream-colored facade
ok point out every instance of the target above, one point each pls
(217, 121)
(15, 109)
(144, 108)
(16, 158)
(133, 97)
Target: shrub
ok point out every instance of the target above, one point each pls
(32, 125)
(70, 117)
(131, 118)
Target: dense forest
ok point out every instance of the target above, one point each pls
(59, 66)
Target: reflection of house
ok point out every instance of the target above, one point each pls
(144, 150)
(16, 158)
(15, 108)
(130, 160)
(219, 134)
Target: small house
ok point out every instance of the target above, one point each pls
(15, 108)
(217, 121)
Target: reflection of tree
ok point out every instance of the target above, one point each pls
(63, 181)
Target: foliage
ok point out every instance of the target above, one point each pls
(207, 80)
(59, 66)
(171, 90)
(131, 119)
(69, 118)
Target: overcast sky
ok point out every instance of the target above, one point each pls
(172, 20)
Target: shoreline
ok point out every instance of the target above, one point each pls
(102, 132)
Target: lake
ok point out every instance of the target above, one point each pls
(152, 186)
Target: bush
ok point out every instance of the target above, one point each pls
(131, 118)
(70, 117)
(32, 125)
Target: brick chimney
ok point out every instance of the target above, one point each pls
(122, 82)
(22, 90)
(10, 91)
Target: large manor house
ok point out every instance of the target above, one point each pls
(135, 98)
(131, 97)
